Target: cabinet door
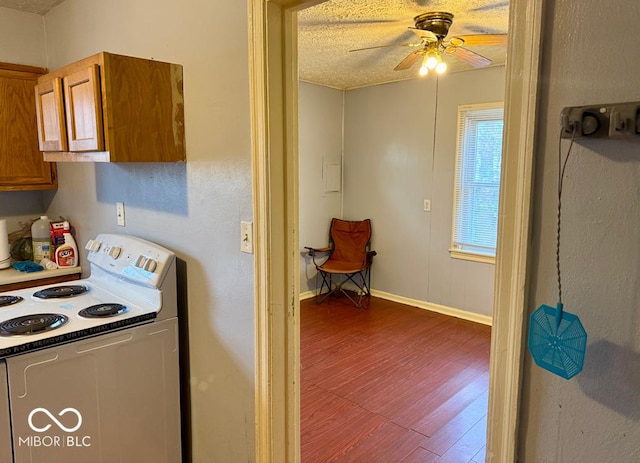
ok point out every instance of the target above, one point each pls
(21, 163)
(84, 110)
(52, 135)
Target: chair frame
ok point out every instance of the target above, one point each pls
(361, 277)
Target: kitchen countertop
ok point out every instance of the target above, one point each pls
(11, 275)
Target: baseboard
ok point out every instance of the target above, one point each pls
(307, 295)
(433, 307)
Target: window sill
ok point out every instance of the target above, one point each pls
(472, 256)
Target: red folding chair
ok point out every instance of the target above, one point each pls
(349, 260)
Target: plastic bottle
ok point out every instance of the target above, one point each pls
(41, 238)
(67, 253)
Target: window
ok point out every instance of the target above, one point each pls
(477, 182)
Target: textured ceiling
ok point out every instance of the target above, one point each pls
(328, 31)
(30, 6)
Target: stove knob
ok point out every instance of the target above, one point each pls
(115, 252)
(150, 265)
(92, 245)
(140, 263)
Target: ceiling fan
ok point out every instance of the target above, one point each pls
(432, 29)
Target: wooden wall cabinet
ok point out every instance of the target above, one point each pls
(112, 108)
(21, 163)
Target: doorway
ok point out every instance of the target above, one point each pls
(390, 167)
(274, 134)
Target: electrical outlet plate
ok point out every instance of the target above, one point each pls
(426, 206)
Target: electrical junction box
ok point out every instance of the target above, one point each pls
(616, 121)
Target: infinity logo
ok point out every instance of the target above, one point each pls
(53, 418)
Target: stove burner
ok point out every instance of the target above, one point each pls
(56, 292)
(8, 300)
(103, 310)
(32, 324)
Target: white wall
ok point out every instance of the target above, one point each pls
(392, 164)
(194, 208)
(595, 416)
(320, 135)
(21, 42)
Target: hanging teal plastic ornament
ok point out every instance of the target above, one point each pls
(557, 339)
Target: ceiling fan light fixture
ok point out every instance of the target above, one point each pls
(431, 61)
(441, 67)
(424, 69)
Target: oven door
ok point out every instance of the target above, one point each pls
(6, 453)
(113, 397)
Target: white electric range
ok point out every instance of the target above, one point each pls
(91, 368)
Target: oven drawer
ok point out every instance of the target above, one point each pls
(113, 397)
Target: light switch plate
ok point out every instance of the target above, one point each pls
(120, 214)
(246, 237)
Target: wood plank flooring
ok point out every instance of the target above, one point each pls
(391, 384)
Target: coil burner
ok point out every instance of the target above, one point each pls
(103, 310)
(32, 324)
(8, 300)
(57, 292)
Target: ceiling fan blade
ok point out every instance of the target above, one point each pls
(389, 46)
(408, 61)
(473, 58)
(482, 39)
(424, 34)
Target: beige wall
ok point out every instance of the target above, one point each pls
(320, 139)
(400, 148)
(21, 42)
(589, 57)
(22, 38)
(193, 208)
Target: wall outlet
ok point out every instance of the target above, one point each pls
(426, 205)
(246, 237)
(120, 214)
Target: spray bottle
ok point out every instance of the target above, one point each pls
(67, 253)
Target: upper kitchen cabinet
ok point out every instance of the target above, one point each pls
(21, 163)
(112, 108)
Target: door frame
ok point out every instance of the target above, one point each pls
(274, 134)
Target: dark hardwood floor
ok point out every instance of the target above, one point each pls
(391, 384)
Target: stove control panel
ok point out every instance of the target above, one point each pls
(130, 257)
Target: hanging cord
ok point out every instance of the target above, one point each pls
(561, 168)
(433, 161)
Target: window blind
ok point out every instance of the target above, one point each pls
(477, 183)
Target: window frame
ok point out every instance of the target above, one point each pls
(454, 251)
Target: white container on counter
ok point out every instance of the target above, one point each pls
(41, 238)
(5, 254)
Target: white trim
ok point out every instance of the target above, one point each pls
(276, 325)
(430, 306)
(472, 256)
(433, 307)
(514, 223)
(307, 295)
